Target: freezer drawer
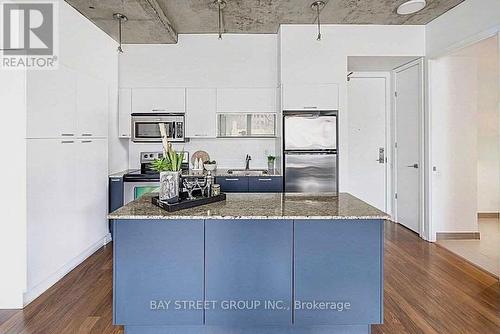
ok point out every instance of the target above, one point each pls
(310, 131)
(311, 172)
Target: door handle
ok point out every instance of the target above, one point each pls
(413, 166)
(381, 155)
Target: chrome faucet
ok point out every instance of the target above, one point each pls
(247, 162)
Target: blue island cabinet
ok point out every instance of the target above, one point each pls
(157, 262)
(249, 272)
(338, 262)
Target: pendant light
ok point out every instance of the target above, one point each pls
(219, 5)
(317, 6)
(121, 18)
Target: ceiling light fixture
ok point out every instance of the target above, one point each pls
(318, 6)
(121, 18)
(219, 5)
(411, 7)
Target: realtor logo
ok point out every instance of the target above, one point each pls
(28, 34)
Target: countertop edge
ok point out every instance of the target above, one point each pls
(153, 217)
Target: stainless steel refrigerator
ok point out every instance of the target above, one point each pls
(310, 151)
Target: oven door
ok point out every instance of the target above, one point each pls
(134, 190)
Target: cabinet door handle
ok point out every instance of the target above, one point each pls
(86, 141)
(158, 110)
(310, 107)
(86, 135)
(67, 141)
(265, 179)
(67, 134)
(232, 179)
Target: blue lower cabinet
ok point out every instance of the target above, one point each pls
(233, 184)
(338, 262)
(157, 262)
(265, 184)
(249, 272)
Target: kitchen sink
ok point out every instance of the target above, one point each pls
(248, 172)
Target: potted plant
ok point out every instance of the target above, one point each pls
(270, 163)
(169, 168)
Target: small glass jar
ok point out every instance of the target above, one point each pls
(215, 189)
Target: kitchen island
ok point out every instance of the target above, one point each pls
(256, 263)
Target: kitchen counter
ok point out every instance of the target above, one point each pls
(256, 263)
(260, 206)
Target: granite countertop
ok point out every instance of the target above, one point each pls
(123, 172)
(217, 172)
(260, 206)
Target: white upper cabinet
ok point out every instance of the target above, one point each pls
(246, 100)
(91, 107)
(201, 105)
(51, 103)
(158, 100)
(64, 103)
(124, 113)
(311, 97)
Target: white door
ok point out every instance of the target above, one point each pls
(408, 113)
(367, 139)
(201, 120)
(454, 101)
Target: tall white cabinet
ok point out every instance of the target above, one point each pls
(67, 169)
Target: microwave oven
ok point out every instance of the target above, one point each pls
(145, 127)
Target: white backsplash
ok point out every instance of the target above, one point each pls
(229, 153)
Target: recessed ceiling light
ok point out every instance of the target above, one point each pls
(411, 7)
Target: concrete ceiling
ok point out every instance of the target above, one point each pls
(159, 21)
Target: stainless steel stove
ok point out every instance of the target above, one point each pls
(145, 180)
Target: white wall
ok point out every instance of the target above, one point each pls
(13, 198)
(204, 61)
(306, 60)
(460, 24)
(84, 49)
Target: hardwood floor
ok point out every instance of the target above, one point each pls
(427, 290)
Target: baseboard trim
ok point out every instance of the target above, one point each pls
(458, 236)
(36, 291)
(488, 215)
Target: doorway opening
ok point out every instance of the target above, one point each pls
(385, 125)
(465, 152)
